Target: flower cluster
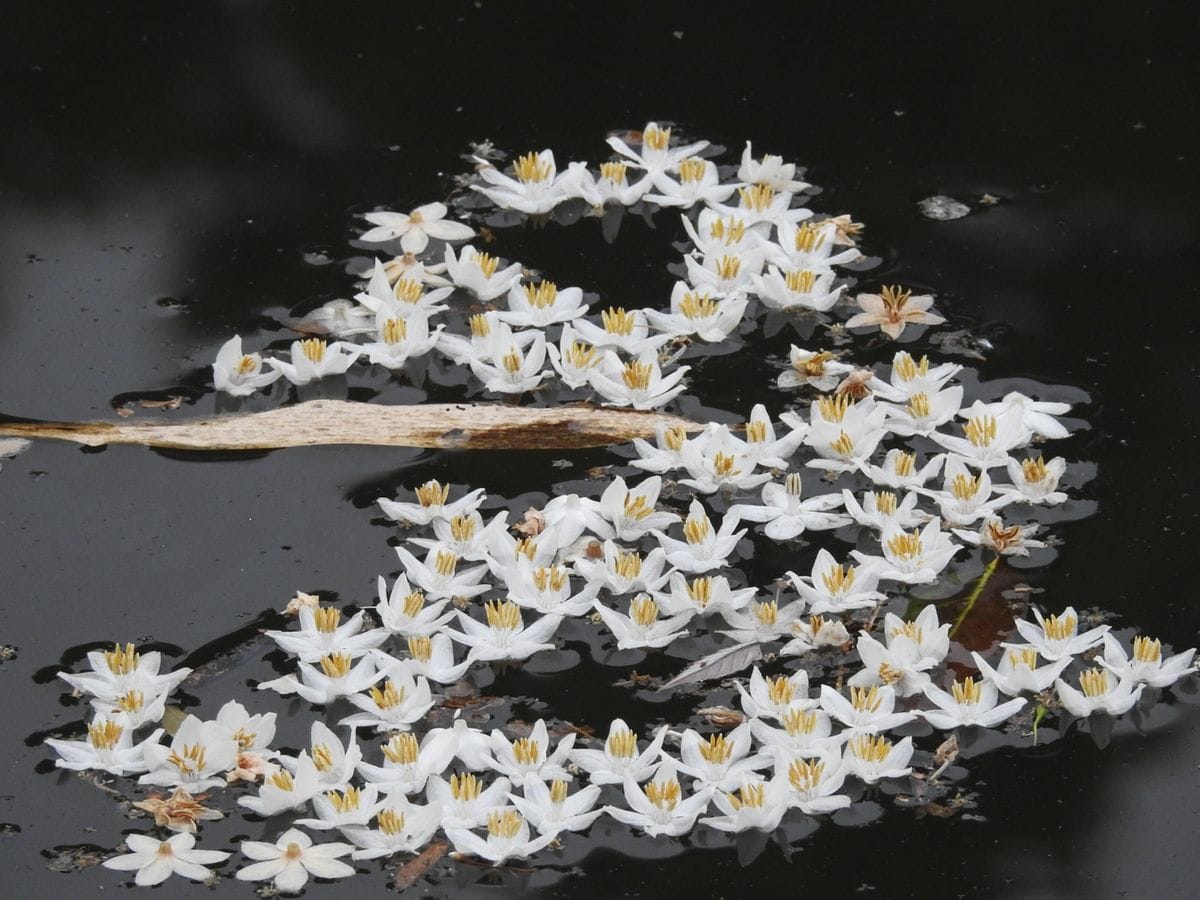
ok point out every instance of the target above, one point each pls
(894, 467)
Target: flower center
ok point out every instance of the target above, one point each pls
(408, 291)
(716, 749)
(838, 579)
(1094, 683)
(801, 281)
(696, 306)
(395, 331)
(504, 616)
(390, 697)
(643, 610)
(554, 579)
(246, 365)
(767, 613)
(757, 197)
(692, 170)
(505, 825)
(724, 465)
(809, 238)
(656, 139)
(531, 168)
(980, 430)
(431, 493)
(326, 619)
(1027, 658)
(122, 661)
(390, 821)
(805, 775)
(966, 692)
(906, 546)
(480, 328)
(293, 851)
(885, 502)
(104, 735)
(871, 748)
(728, 267)
(420, 647)
(541, 295)
(558, 792)
(1058, 628)
(751, 795)
(636, 507)
(344, 802)
(636, 375)
(336, 665)
(622, 744)
(730, 230)
(1147, 650)
(918, 406)
(907, 369)
(414, 603)
(799, 721)
(465, 787)
(613, 171)
(402, 749)
(1034, 470)
(582, 355)
(910, 630)
(189, 759)
(445, 563)
(313, 349)
(663, 794)
(283, 780)
(964, 487)
(700, 591)
(487, 264)
(527, 751)
(617, 321)
(780, 691)
(834, 409)
(697, 530)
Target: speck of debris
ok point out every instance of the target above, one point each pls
(941, 208)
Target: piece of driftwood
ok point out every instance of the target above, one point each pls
(318, 422)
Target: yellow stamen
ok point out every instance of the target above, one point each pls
(526, 548)
(1002, 537)
(675, 437)
(617, 321)
(780, 691)
(465, 787)
(980, 430)
(656, 138)
(246, 365)
(395, 331)
(462, 528)
(871, 748)
(628, 564)
(283, 780)
(246, 739)
(1023, 658)
(189, 759)
(542, 295)
(504, 616)
(613, 171)
(696, 306)
(757, 197)
(314, 349)
(906, 464)
(582, 355)
(527, 751)
(908, 369)
(390, 821)
(728, 267)
(910, 630)
(1059, 628)
(420, 647)
(801, 281)
(643, 610)
(622, 744)
(636, 507)
(554, 579)
(414, 603)
(390, 697)
(793, 484)
(344, 802)
(895, 298)
(408, 291)
(504, 824)
(766, 613)
(799, 721)
(131, 702)
(692, 170)
(838, 580)
(805, 775)
(730, 230)
(336, 665)
(865, 699)
(967, 691)
(122, 661)
(834, 408)
(809, 238)
(531, 168)
(756, 432)
(480, 327)
(1093, 683)
(889, 674)
(700, 591)
(431, 493)
(104, 736)
(752, 795)
(558, 791)
(402, 749)
(293, 851)
(716, 749)
(487, 264)
(843, 446)
(1147, 650)
(724, 465)
(663, 794)
(697, 529)
(326, 619)
(1034, 469)
(964, 487)
(885, 502)
(512, 360)
(322, 757)
(918, 406)
(906, 546)
(445, 563)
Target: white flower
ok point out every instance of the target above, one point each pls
(1100, 691)
(1056, 637)
(338, 676)
(156, 861)
(431, 657)
(291, 859)
(987, 438)
(722, 461)
(400, 827)
(816, 632)
(703, 547)
(966, 498)
(620, 757)
(401, 701)
(698, 182)
(672, 447)
(719, 761)
(833, 587)
(133, 709)
(1018, 670)
(924, 413)
(431, 504)
(516, 371)
(892, 309)
(550, 809)
(931, 639)
(757, 804)
(814, 780)
(239, 374)
(464, 801)
(873, 758)
(968, 703)
(537, 188)
(763, 207)
(775, 698)
(910, 377)
(505, 636)
(253, 734)
(416, 228)
(313, 359)
(628, 332)
(657, 155)
(805, 732)
(400, 339)
(542, 304)
(342, 809)
(694, 312)
(771, 171)
(283, 790)
(118, 671)
(529, 755)
(869, 710)
(405, 299)
(660, 807)
(844, 433)
(1036, 416)
(639, 383)
(797, 289)
(714, 235)
(724, 274)
(404, 611)
(613, 185)
(809, 246)
(1146, 664)
(507, 838)
(109, 747)
(815, 369)
(624, 571)
(880, 511)
(1035, 480)
(642, 627)
(199, 754)
(1006, 540)
(489, 340)
(632, 511)
(568, 516)
(898, 664)
(321, 633)
(915, 557)
(409, 764)
(704, 596)
(762, 622)
(573, 360)
(899, 470)
(480, 274)
(439, 575)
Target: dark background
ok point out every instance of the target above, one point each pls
(169, 172)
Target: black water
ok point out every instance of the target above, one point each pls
(171, 176)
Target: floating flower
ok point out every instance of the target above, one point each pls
(156, 861)
(240, 374)
(291, 859)
(415, 228)
(892, 309)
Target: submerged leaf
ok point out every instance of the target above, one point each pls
(718, 665)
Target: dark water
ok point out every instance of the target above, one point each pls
(169, 177)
